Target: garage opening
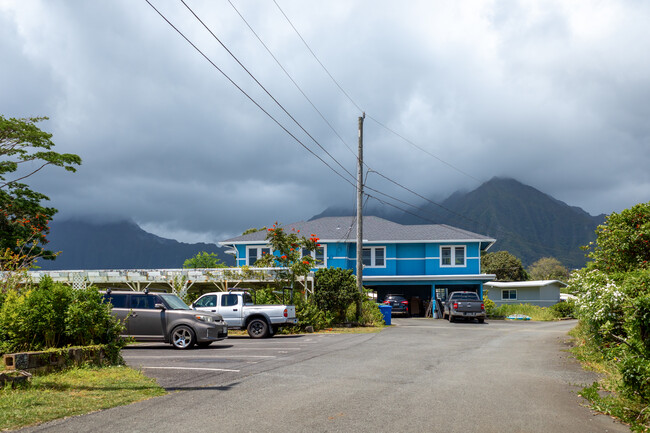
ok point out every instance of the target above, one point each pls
(443, 292)
(418, 296)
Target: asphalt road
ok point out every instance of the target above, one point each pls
(419, 375)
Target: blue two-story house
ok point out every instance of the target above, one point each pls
(425, 261)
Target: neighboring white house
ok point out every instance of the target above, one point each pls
(543, 293)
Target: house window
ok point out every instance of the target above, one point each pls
(374, 257)
(255, 253)
(320, 255)
(507, 294)
(452, 256)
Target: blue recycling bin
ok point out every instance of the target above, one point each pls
(385, 311)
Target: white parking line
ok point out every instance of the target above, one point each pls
(201, 357)
(192, 368)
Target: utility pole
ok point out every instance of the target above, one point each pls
(360, 217)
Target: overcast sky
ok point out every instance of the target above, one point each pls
(555, 94)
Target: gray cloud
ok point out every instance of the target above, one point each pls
(552, 94)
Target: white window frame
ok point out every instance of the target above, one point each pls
(259, 249)
(452, 263)
(509, 292)
(373, 257)
(322, 264)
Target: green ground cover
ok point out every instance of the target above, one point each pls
(73, 392)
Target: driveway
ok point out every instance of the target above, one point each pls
(418, 375)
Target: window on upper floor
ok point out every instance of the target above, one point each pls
(255, 253)
(452, 255)
(509, 294)
(374, 257)
(320, 255)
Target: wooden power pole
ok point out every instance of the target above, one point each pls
(360, 217)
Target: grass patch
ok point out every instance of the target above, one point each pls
(602, 395)
(535, 312)
(73, 392)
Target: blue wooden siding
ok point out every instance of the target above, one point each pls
(400, 258)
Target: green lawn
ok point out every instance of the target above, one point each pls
(73, 392)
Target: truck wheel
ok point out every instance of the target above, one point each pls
(258, 328)
(183, 337)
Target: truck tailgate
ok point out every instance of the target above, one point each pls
(469, 306)
(291, 311)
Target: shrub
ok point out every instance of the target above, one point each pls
(370, 313)
(335, 289)
(535, 312)
(55, 315)
(564, 309)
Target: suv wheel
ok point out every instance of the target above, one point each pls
(183, 337)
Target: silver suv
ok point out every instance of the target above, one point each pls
(165, 317)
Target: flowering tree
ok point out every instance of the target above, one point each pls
(24, 151)
(289, 251)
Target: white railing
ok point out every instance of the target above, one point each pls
(179, 280)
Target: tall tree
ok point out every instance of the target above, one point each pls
(504, 265)
(24, 151)
(623, 242)
(548, 268)
(203, 260)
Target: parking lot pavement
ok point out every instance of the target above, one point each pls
(225, 362)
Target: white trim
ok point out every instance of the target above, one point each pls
(473, 277)
(259, 249)
(452, 256)
(365, 241)
(373, 257)
(527, 284)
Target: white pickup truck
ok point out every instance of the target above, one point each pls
(239, 312)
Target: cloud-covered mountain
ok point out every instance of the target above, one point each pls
(525, 221)
(118, 244)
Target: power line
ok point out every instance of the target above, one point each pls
(292, 79)
(264, 88)
(246, 94)
(316, 57)
(359, 108)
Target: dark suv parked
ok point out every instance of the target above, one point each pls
(399, 303)
(165, 317)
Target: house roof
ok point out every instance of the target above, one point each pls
(513, 284)
(375, 229)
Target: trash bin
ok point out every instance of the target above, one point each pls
(385, 311)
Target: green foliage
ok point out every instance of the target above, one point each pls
(252, 230)
(535, 312)
(548, 268)
(370, 313)
(614, 306)
(623, 242)
(335, 289)
(564, 309)
(203, 260)
(55, 315)
(23, 220)
(488, 303)
(504, 265)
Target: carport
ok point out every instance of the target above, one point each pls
(424, 290)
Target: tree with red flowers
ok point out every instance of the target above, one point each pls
(289, 251)
(24, 151)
